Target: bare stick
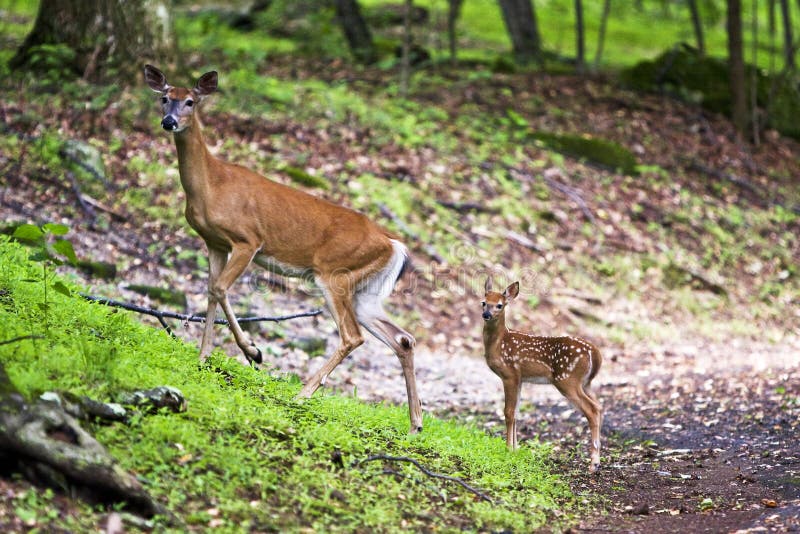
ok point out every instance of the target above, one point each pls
(425, 470)
(20, 338)
(573, 194)
(161, 315)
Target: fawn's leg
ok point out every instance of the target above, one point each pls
(593, 413)
(511, 389)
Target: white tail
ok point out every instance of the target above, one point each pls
(244, 217)
(568, 363)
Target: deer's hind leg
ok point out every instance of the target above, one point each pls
(370, 314)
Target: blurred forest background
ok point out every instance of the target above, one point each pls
(636, 165)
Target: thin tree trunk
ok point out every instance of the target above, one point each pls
(788, 45)
(520, 20)
(601, 36)
(356, 31)
(453, 12)
(736, 65)
(405, 59)
(579, 36)
(754, 74)
(698, 27)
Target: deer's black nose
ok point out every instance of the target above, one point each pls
(487, 315)
(169, 123)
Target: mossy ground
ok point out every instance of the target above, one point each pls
(246, 454)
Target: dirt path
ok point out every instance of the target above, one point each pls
(698, 438)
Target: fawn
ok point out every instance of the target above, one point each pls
(568, 363)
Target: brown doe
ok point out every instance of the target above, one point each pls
(243, 217)
(568, 363)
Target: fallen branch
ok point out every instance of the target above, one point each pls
(76, 190)
(732, 178)
(523, 241)
(429, 250)
(425, 470)
(20, 338)
(464, 207)
(573, 194)
(161, 315)
(570, 192)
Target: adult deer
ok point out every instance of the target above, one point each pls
(243, 217)
(568, 363)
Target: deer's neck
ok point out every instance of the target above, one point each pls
(193, 161)
(493, 332)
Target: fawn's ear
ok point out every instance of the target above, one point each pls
(487, 286)
(511, 291)
(155, 79)
(207, 84)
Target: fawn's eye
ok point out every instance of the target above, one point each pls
(164, 99)
(483, 304)
(499, 306)
(190, 103)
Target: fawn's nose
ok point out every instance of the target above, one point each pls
(487, 315)
(169, 123)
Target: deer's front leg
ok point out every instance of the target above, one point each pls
(238, 261)
(511, 388)
(216, 262)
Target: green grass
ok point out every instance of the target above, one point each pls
(246, 454)
(632, 35)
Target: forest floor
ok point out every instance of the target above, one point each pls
(700, 433)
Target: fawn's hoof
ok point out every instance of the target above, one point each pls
(594, 467)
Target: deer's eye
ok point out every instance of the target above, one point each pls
(190, 103)
(499, 306)
(483, 304)
(164, 99)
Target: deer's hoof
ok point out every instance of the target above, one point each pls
(257, 358)
(594, 467)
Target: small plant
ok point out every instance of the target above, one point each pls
(48, 250)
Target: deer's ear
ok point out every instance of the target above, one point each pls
(511, 291)
(487, 286)
(155, 79)
(207, 84)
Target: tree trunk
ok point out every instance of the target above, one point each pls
(601, 36)
(453, 12)
(520, 20)
(736, 66)
(788, 45)
(754, 122)
(579, 36)
(109, 39)
(698, 27)
(356, 31)
(405, 58)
